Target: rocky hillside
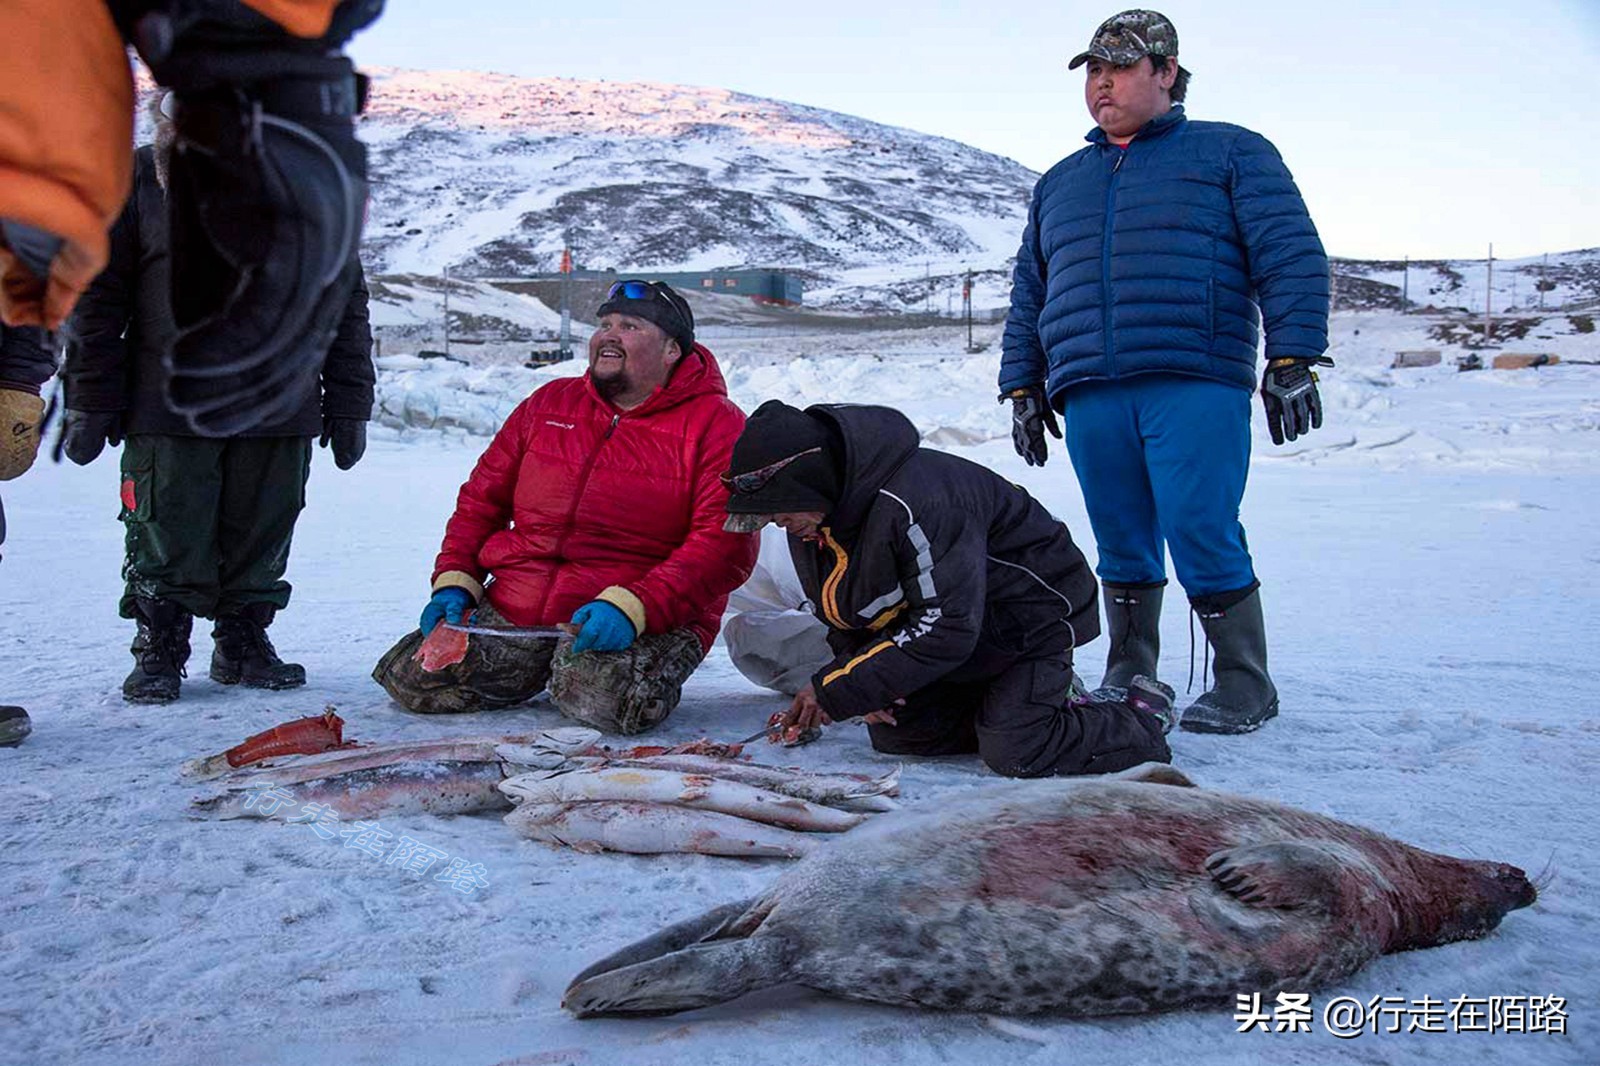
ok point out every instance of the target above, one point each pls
(490, 175)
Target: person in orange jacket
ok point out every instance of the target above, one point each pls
(268, 101)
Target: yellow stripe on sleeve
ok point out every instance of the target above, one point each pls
(857, 661)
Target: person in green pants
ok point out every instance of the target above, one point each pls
(209, 520)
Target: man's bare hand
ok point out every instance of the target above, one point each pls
(803, 714)
(885, 716)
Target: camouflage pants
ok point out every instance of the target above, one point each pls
(624, 692)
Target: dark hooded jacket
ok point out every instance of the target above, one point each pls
(932, 568)
(123, 325)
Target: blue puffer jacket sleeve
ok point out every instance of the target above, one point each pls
(1023, 360)
(1288, 267)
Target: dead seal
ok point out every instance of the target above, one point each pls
(1113, 895)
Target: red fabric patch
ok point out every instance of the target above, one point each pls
(129, 500)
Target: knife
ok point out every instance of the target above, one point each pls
(775, 726)
(765, 732)
(530, 632)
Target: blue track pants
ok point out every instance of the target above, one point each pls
(1163, 457)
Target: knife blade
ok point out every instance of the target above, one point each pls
(775, 726)
(765, 732)
(530, 632)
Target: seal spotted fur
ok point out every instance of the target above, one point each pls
(1117, 895)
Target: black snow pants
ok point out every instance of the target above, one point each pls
(1017, 713)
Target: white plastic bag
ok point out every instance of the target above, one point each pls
(771, 634)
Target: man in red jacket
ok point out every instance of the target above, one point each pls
(598, 506)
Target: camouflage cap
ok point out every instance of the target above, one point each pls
(1127, 37)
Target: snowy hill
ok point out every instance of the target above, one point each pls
(489, 174)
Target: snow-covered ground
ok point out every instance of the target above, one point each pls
(1429, 562)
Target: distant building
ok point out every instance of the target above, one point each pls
(762, 286)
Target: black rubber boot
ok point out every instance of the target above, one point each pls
(1243, 696)
(14, 726)
(1133, 622)
(243, 654)
(160, 651)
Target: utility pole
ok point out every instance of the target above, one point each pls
(566, 299)
(1488, 300)
(966, 306)
(447, 309)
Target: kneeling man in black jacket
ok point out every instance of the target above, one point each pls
(952, 598)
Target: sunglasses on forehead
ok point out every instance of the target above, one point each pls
(634, 289)
(755, 480)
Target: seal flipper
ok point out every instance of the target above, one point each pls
(697, 976)
(701, 927)
(1284, 874)
(1154, 773)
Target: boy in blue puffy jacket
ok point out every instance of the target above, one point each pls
(1148, 260)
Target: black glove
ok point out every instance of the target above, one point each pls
(349, 437)
(1030, 417)
(85, 433)
(1289, 392)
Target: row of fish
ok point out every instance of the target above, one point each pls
(693, 804)
(564, 787)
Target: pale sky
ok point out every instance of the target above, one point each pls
(1414, 127)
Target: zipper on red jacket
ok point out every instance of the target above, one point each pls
(1105, 262)
(577, 498)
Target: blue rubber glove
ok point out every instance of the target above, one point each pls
(602, 627)
(447, 605)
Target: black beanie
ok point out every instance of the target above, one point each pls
(776, 432)
(668, 310)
